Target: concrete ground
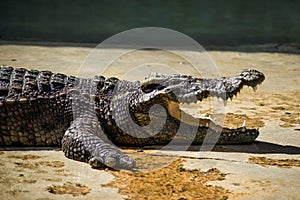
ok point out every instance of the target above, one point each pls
(266, 169)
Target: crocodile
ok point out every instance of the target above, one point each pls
(89, 118)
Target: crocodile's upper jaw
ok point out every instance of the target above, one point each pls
(188, 89)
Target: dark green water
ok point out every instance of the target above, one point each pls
(209, 22)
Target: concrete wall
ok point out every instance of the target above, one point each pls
(208, 21)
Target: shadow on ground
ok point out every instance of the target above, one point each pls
(256, 147)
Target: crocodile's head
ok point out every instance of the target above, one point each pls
(169, 91)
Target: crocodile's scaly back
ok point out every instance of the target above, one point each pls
(35, 106)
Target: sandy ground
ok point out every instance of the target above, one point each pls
(266, 169)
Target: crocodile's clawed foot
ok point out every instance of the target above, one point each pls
(117, 162)
(82, 142)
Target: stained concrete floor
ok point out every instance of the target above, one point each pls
(28, 174)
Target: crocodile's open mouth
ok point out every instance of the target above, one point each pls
(176, 89)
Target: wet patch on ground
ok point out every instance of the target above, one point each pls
(149, 160)
(236, 120)
(284, 107)
(62, 172)
(290, 119)
(25, 157)
(38, 165)
(170, 182)
(283, 163)
(74, 189)
(15, 192)
(44, 199)
(262, 183)
(28, 170)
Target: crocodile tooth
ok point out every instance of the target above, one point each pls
(244, 126)
(254, 88)
(244, 123)
(225, 102)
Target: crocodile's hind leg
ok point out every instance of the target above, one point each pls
(82, 142)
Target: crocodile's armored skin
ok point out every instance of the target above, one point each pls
(88, 116)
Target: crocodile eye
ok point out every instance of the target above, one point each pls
(151, 87)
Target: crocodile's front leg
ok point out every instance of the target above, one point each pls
(83, 141)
